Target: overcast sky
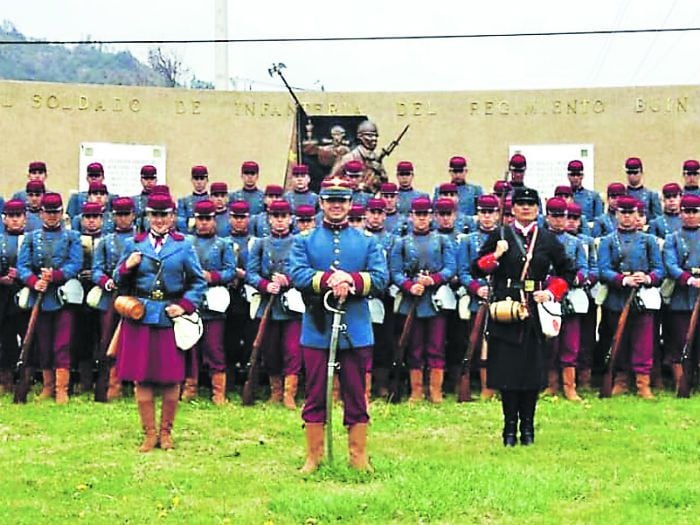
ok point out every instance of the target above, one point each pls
(465, 64)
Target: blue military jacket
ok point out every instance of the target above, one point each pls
(314, 254)
(267, 256)
(573, 247)
(431, 253)
(260, 225)
(34, 221)
(222, 225)
(10, 244)
(467, 193)
(58, 249)
(105, 260)
(665, 224)
(396, 223)
(649, 198)
(254, 198)
(174, 271)
(590, 202)
(185, 210)
(682, 261)
(240, 245)
(627, 251)
(301, 198)
(588, 243)
(467, 250)
(76, 201)
(403, 203)
(140, 202)
(604, 224)
(215, 256)
(107, 223)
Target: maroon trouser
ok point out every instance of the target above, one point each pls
(54, 331)
(674, 340)
(427, 344)
(281, 349)
(566, 346)
(353, 364)
(637, 346)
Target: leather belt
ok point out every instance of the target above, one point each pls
(158, 295)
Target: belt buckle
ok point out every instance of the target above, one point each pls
(529, 285)
(157, 295)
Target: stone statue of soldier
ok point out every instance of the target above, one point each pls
(374, 173)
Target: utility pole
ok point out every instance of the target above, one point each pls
(221, 79)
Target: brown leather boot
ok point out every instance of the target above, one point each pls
(314, 447)
(291, 382)
(6, 381)
(643, 389)
(171, 396)
(190, 391)
(569, 379)
(416, 377)
(62, 381)
(368, 387)
(147, 413)
(552, 383)
(486, 392)
(114, 389)
(584, 378)
(49, 388)
(218, 388)
(677, 369)
(275, 390)
(437, 376)
(357, 447)
(621, 384)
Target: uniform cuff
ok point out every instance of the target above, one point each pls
(655, 281)
(32, 280)
(437, 278)
(262, 285)
(362, 282)
(406, 286)
(488, 263)
(123, 270)
(57, 276)
(320, 281)
(557, 287)
(215, 277)
(103, 281)
(474, 287)
(683, 279)
(617, 281)
(187, 305)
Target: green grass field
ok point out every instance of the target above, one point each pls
(616, 461)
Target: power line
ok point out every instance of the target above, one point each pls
(355, 38)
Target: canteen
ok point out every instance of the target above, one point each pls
(508, 311)
(129, 307)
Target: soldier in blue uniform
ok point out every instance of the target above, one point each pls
(636, 188)
(216, 258)
(95, 173)
(351, 264)
(269, 272)
(394, 221)
(250, 172)
(628, 258)
(456, 222)
(34, 192)
(607, 222)
(682, 262)
(517, 166)
(354, 171)
(35, 172)
(356, 217)
(477, 287)
(589, 200)
(97, 194)
(240, 330)
(47, 259)
(567, 193)
(404, 176)
(691, 175)
(304, 218)
(163, 269)
(149, 178)
(13, 321)
(300, 194)
(219, 196)
(420, 262)
(467, 192)
(185, 205)
(106, 257)
(260, 223)
(670, 220)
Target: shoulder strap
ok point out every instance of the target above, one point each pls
(528, 255)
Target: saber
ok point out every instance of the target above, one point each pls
(336, 328)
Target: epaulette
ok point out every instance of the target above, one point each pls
(177, 236)
(140, 237)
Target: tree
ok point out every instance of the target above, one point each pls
(167, 65)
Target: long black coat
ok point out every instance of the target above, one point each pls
(517, 351)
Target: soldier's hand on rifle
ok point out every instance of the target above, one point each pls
(174, 310)
(280, 279)
(483, 292)
(109, 285)
(240, 273)
(41, 285)
(417, 289)
(630, 280)
(501, 248)
(273, 288)
(207, 275)
(426, 280)
(46, 274)
(11, 273)
(133, 260)
(694, 282)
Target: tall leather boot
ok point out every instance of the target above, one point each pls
(527, 402)
(189, 392)
(114, 389)
(509, 403)
(486, 392)
(677, 369)
(147, 413)
(6, 381)
(620, 384)
(171, 397)
(416, 377)
(643, 389)
(314, 447)
(62, 381)
(368, 387)
(218, 388)
(357, 447)
(569, 379)
(275, 390)
(552, 383)
(584, 378)
(49, 388)
(437, 376)
(291, 383)
(381, 382)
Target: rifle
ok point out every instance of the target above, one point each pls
(336, 328)
(104, 361)
(386, 151)
(24, 368)
(606, 385)
(398, 365)
(686, 380)
(464, 391)
(248, 395)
